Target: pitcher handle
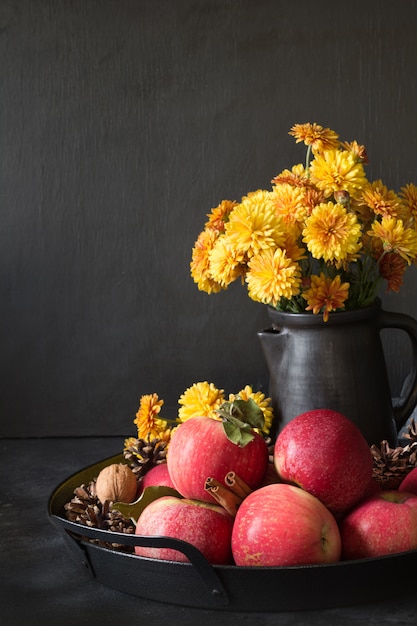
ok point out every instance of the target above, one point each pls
(408, 398)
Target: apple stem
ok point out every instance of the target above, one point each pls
(229, 500)
(237, 485)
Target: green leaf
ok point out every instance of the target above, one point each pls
(239, 418)
(149, 494)
(236, 434)
(251, 413)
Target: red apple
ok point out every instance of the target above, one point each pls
(409, 483)
(157, 476)
(208, 527)
(281, 524)
(325, 453)
(384, 524)
(199, 449)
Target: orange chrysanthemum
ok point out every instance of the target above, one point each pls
(220, 215)
(147, 419)
(381, 200)
(316, 136)
(357, 150)
(289, 203)
(296, 177)
(200, 263)
(326, 295)
(408, 196)
(312, 198)
(392, 268)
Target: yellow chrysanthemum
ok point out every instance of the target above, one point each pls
(289, 203)
(226, 262)
(220, 215)
(253, 225)
(272, 275)
(337, 170)
(200, 264)
(381, 200)
(326, 295)
(261, 400)
(332, 233)
(316, 136)
(201, 399)
(147, 419)
(396, 238)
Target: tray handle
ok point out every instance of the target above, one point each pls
(197, 559)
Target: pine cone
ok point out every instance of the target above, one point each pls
(86, 509)
(391, 465)
(142, 454)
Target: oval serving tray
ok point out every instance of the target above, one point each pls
(224, 587)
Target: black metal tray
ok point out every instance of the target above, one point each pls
(228, 588)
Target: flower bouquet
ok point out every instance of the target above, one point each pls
(322, 239)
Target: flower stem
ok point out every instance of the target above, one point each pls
(308, 155)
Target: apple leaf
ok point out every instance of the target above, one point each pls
(149, 494)
(251, 413)
(239, 418)
(236, 434)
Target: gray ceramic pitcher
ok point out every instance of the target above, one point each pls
(339, 365)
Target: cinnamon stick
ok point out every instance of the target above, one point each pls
(237, 485)
(229, 500)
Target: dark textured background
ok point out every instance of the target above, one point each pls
(122, 123)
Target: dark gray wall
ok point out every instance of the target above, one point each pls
(122, 123)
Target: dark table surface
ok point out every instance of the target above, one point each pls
(40, 582)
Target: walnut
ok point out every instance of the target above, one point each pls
(116, 483)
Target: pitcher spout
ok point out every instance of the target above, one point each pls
(271, 340)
